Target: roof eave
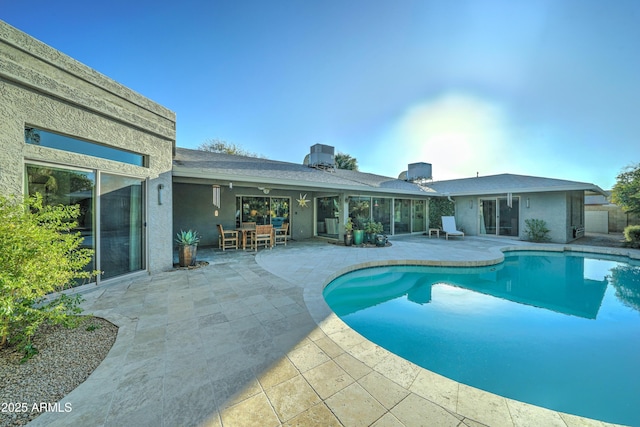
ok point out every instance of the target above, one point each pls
(187, 172)
(586, 187)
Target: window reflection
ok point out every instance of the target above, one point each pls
(60, 142)
(67, 187)
(263, 210)
(328, 214)
(121, 225)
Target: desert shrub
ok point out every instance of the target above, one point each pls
(39, 255)
(536, 230)
(632, 236)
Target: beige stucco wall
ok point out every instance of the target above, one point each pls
(43, 88)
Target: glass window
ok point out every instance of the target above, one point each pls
(419, 215)
(263, 210)
(66, 143)
(359, 210)
(497, 217)
(382, 213)
(327, 216)
(279, 211)
(402, 216)
(67, 187)
(508, 216)
(255, 209)
(121, 225)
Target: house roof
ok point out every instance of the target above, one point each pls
(189, 164)
(508, 183)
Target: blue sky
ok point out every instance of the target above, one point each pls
(545, 88)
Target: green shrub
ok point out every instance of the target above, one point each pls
(536, 230)
(39, 255)
(632, 236)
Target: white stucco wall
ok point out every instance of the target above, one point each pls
(43, 88)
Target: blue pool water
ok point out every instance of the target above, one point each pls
(558, 330)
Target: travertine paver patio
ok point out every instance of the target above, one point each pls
(249, 341)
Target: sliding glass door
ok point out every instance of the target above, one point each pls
(111, 222)
(121, 225)
(419, 213)
(500, 216)
(327, 216)
(381, 213)
(402, 216)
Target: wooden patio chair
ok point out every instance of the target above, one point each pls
(281, 234)
(263, 235)
(227, 239)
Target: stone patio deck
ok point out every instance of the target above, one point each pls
(249, 341)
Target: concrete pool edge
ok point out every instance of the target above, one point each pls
(632, 254)
(456, 398)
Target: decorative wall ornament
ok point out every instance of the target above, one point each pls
(302, 201)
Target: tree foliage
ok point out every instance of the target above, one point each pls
(626, 191)
(632, 236)
(216, 145)
(345, 161)
(39, 255)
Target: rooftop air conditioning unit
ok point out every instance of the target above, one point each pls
(419, 171)
(322, 156)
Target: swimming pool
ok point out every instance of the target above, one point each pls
(558, 330)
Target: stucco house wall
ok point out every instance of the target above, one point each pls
(552, 207)
(41, 87)
(193, 209)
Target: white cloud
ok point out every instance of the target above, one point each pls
(457, 133)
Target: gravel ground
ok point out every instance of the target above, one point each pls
(66, 357)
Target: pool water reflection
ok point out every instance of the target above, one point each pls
(558, 330)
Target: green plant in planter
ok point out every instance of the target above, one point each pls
(348, 232)
(187, 246)
(187, 238)
(377, 227)
(348, 226)
(358, 230)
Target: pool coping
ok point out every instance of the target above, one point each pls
(451, 395)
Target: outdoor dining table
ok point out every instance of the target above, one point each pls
(245, 231)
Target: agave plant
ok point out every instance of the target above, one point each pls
(187, 238)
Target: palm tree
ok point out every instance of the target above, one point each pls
(345, 161)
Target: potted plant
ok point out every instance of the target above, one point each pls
(358, 231)
(380, 238)
(372, 229)
(348, 232)
(187, 246)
